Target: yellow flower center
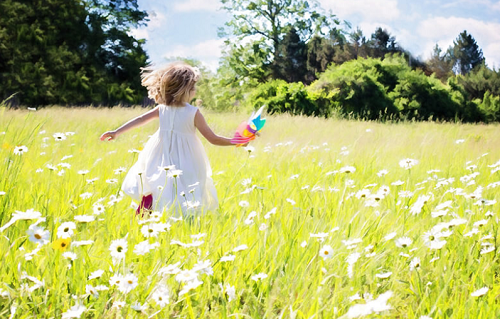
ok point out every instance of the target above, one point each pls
(37, 236)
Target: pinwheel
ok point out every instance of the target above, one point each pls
(247, 130)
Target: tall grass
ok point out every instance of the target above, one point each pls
(297, 167)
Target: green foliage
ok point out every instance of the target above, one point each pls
(490, 107)
(70, 52)
(269, 21)
(466, 53)
(282, 97)
(292, 58)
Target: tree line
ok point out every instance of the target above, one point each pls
(71, 52)
(297, 58)
(289, 54)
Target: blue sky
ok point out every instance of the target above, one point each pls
(188, 28)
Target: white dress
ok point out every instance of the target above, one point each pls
(175, 143)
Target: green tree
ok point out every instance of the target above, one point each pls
(292, 58)
(70, 51)
(466, 54)
(381, 43)
(270, 20)
(439, 64)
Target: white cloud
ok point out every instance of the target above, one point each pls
(374, 11)
(197, 5)
(444, 31)
(208, 52)
(156, 21)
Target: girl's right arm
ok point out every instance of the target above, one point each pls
(138, 121)
(206, 131)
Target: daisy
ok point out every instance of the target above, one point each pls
(96, 274)
(249, 149)
(59, 136)
(116, 280)
(118, 248)
(20, 150)
(161, 296)
(326, 252)
(142, 248)
(487, 249)
(66, 230)
(118, 304)
(138, 307)
(90, 290)
(480, 292)
(120, 170)
(230, 291)
(415, 263)
(112, 181)
(82, 243)
(259, 276)
(150, 230)
(348, 169)
(250, 218)
(204, 267)
(69, 255)
(98, 209)
(190, 285)
(174, 173)
(408, 163)
(84, 218)
(38, 235)
(382, 173)
(244, 203)
(227, 258)
(170, 269)
(74, 312)
(240, 248)
(403, 242)
(186, 275)
(128, 283)
(384, 275)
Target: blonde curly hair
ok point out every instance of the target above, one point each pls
(171, 84)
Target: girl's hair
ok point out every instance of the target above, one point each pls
(171, 84)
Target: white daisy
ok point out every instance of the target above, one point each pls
(66, 230)
(20, 150)
(118, 248)
(480, 292)
(326, 252)
(128, 283)
(38, 235)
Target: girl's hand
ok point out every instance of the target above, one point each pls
(108, 136)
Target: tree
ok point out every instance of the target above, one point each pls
(466, 54)
(440, 64)
(71, 51)
(292, 58)
(320, 53)
(270, 20)
(382, 43)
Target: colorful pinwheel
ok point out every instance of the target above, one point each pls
(246, 130)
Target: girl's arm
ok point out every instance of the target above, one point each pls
(206, 131)
(138, 121)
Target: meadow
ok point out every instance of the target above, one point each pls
(320, 218)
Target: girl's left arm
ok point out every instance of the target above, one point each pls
(136, 122)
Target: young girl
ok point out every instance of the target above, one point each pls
(172, 170)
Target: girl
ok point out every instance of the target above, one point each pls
(173, 161)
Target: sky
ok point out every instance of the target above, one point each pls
(188, 28)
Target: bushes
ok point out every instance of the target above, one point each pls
(381, 89)
(283, 97)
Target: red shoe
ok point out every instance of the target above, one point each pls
(146, 204)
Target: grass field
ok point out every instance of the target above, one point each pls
(323, 219)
